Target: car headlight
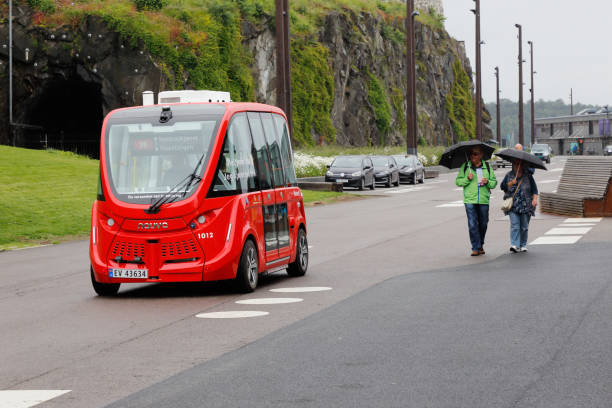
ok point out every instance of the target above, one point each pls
(355, 174)
(329, 174)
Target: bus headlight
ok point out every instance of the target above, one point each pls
(110, 222)
(201, 219)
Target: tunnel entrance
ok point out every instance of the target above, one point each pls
(69, 113)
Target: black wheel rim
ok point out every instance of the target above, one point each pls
(251, 266)
(303, 255)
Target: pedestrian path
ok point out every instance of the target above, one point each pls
(568, 232)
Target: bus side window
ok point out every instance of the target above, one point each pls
(274, 149)
(261, 151)
(282, 132)
(235, 172)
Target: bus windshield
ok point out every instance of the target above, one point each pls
(146, 160)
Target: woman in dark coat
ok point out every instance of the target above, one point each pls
(524, 203)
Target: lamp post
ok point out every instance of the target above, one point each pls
(498, 115)
(10, 46)
(532, 94)
(411, 110)
(283, 61)
(476, 12)
(520, 66)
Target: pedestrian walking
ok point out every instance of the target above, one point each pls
(477, 179)
(521, 186)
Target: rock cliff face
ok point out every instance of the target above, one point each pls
(67, 78)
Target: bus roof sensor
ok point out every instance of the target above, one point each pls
(166, 115)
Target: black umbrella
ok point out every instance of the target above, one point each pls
(513, 154)
(459, 153)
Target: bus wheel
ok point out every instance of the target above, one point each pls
(300, 265)
(103, 289)
(248, 268)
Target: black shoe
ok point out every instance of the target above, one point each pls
(514, 249)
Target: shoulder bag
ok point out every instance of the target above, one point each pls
(508, 202)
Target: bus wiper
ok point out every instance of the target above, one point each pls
(171, 196)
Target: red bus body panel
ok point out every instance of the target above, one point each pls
(173, 245)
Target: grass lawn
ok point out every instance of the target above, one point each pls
(319, 197)
(46, 196)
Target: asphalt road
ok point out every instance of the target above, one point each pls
(57, 335)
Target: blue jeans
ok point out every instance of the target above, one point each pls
(478, 220)
(519, 229)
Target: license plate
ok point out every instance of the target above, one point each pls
(341, 181)
(128, 273)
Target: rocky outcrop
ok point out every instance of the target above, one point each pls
(61, 71)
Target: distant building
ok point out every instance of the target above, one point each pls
(589, 131)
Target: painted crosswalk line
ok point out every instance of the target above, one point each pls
(27, 398)
(269, 301)
(582, 220)
(572, 225)
(408, 190)
(557, 240)
(548, 181)
(569, 231)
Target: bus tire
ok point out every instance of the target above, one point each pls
(248, 268)
(103, 289)
(300, 265)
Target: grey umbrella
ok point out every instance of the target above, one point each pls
(513, 154)
(459, 153)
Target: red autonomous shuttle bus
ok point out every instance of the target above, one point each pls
(196, 192)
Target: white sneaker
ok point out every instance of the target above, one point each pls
(523, 249)
(514, 249)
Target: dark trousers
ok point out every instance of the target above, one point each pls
(478, 220)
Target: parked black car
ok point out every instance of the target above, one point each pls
(353, 171)
(541, 151)
(385, 170)
(410, 169)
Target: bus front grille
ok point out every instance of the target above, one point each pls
(128, 250)
(186, 248)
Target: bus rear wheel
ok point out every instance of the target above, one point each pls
(248, 268)
(103, 289)
(300, 265)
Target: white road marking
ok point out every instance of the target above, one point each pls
(568, 231)
(458, 189)
(561, 169)
(557, 240)
(408, 190)
(269, 301)
(27, 398)
(453, 204)
(301, 290)
(547, 181)
(571, 225)
(28, 247)
(231, 315)
(582, 220)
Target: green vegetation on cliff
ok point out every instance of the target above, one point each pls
(460, 105)
(380, 103)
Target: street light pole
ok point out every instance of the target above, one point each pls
(498, 115)
(411, 110)
(532, 94)
(283, 61)
(10, 68)
(520, 66)
(476, 12)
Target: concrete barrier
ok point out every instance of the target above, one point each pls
(320, 186)
(429, 174)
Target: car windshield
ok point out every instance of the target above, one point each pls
(146, 159)
(539, 148)
(405, 161)
(380, 161)
(347, 162)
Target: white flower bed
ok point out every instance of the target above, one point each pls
(310, 166)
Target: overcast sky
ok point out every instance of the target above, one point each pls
(571, 46)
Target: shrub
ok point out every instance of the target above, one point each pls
(150, 4)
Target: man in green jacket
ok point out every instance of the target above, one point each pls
(477, 179)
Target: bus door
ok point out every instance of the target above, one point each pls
(266, 184)
(281, 191)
